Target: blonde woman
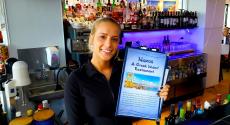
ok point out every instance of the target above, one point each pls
(92, 90)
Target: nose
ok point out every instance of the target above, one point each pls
(108, 42)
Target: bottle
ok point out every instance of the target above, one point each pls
(166, 121)
(218, 99)
(182, 115)
(179, 106)
(164, 44)
(194, 108)
(99, 7)
(140, 17)
(188, 110)
(157, 20)
(109, 6)
(195, 19)
(1, 37)
(152, 20)
(171, 117)
(167, 43)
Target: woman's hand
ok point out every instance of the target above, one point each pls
(164, 92)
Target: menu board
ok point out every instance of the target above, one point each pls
(142, 76)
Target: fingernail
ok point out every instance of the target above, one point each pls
(161, 87)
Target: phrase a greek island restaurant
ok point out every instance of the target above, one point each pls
(43, 41)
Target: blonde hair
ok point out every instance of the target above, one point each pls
(94, 28)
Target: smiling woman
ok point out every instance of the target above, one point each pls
(91, 92)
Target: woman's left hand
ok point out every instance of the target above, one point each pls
(164, 92)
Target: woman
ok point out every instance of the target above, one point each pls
(91, 91)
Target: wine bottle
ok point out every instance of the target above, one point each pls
(171, 117)
(218, 99)
(188, 110)
(179, 106)
(182, 115)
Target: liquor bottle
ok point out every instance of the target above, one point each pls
(157, 20)
(168, 43)
(164, 44)
(167, 18)
(182, 115)
(122, 4)
(194, 112)
(181, 17)
(171, 117)
(199, 109)
(109, 6)
(179, 106)
(152, 20)
(166, 121)
(140, 16)
(135, 21)
(188, 110)
(218, 99)
(99, 7)
(144, 22)
(113, 4)
(161, 20)
(66, 6)
(195, 19)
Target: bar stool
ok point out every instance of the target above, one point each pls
(44, 117)
(22, 121)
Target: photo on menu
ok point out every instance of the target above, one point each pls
(142, 76)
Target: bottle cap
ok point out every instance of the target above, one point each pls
(40, 107)
(45, 104)
(29, 112)
(207, 105)
(18, 114)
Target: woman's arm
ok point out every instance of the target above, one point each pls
(74, 103)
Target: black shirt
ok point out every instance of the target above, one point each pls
(91, 98)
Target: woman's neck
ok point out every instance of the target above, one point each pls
(101, 66)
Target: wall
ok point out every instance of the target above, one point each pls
(34, 23)
(209, 34)
(228, 17)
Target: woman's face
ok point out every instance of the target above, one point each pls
(105, 41)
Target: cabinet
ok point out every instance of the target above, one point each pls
(186, 76)
(187, 64)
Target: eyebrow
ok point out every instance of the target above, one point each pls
(107, 34)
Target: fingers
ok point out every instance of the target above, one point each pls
(164, 92)
(163, 95)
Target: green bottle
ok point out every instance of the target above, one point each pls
(182, 115)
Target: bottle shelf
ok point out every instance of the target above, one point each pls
(156, 29)
(189, 78)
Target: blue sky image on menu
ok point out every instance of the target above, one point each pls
(143, 82)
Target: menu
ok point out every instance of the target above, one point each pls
(142, 76)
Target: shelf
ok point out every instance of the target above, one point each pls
(185, 55)
(156, 29)
(184, 80)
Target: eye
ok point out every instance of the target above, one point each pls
(114, 39)
(102, 37)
